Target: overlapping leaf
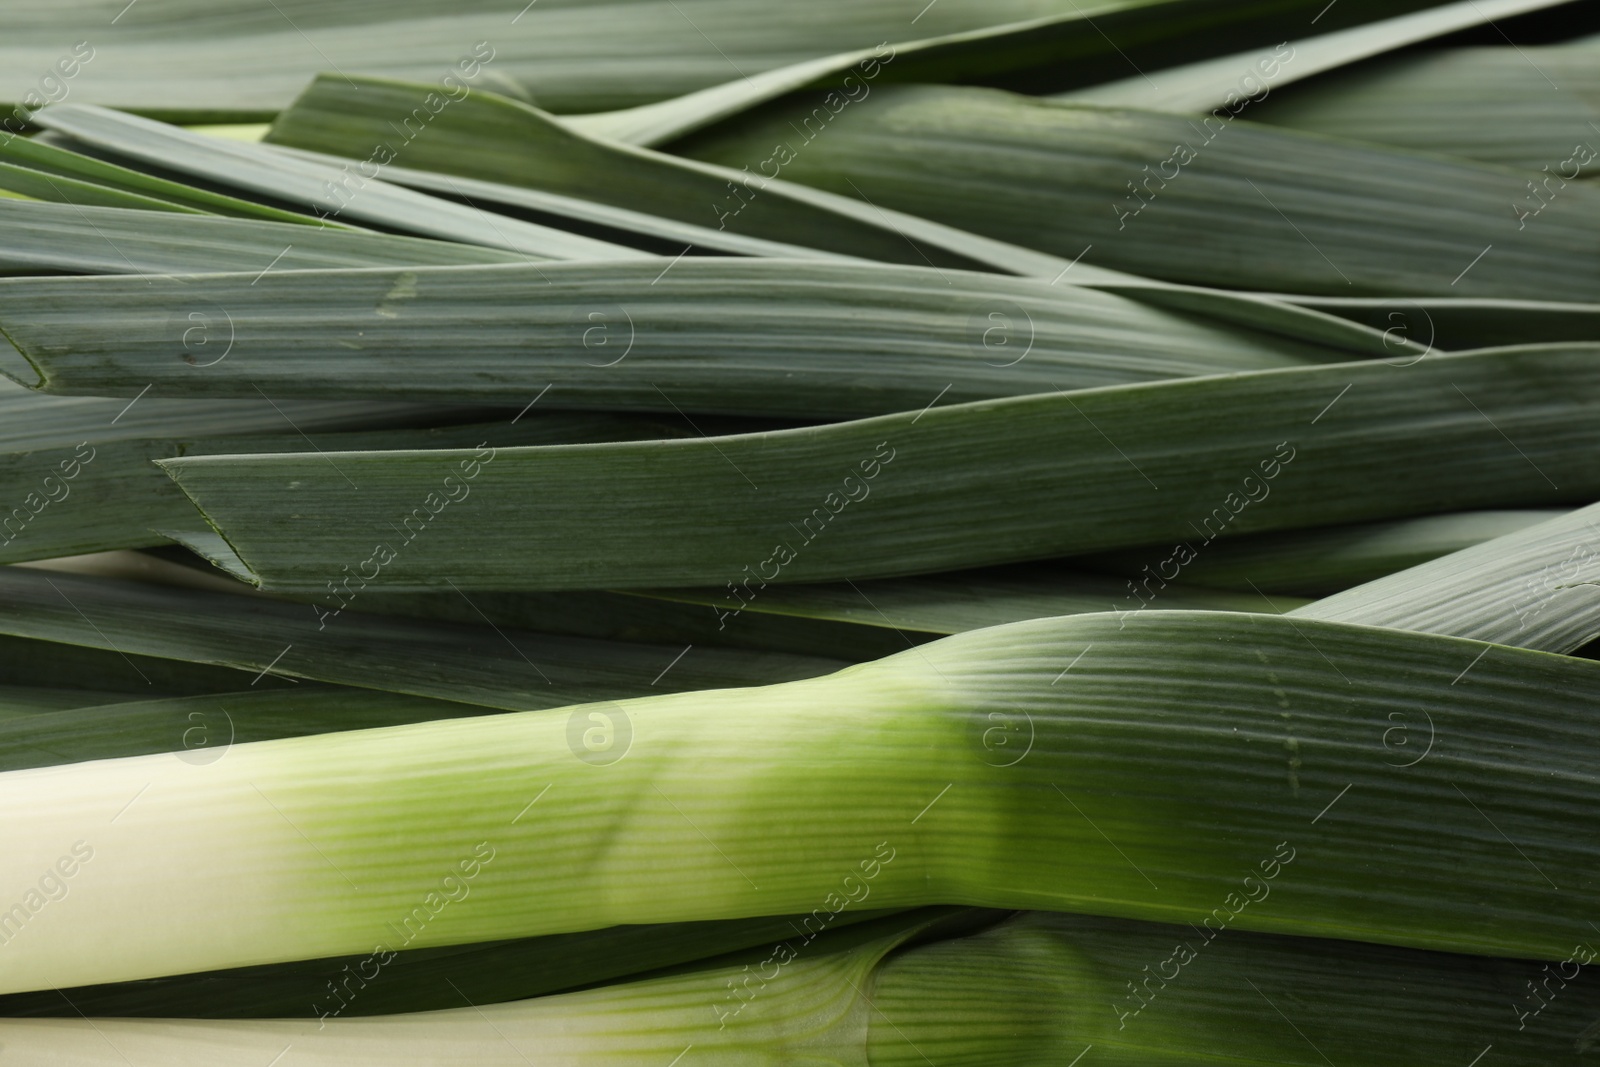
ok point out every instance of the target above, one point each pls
(1212, 201)
(239, 59)
(1533, 108)
(40, 238)
(963, 486)
(327, 191)
(446, 661)
(793, 338)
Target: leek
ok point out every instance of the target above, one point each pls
(998, 765)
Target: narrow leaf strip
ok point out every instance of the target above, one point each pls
(328, 192)
(624, 224)
(33, 184)
(1464, 323)
(22, 701)
(36, 238)
(964, 600)
(30, 420)
(1320, 562)
(502, 668)
(200, 729)
(404, 980)
(496, 138)
(44, 663)
(77, 168)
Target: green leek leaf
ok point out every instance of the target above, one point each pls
(35, 238)
(1212, 201)
(955, 602)
(480, 664)
(1537, 587)
(1320, 562)
(1222, 81)
(326, 191)
(764, 337)
(1534, 108)
(1180, 462)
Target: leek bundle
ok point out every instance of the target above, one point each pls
(1002, 533)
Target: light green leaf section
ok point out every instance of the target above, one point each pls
(1534, 108)
(816, 1011)
(421, 979)
(1538, 587)
(757, 337)
(1035, 988)
(945, 488)
(974, 770)
(1225, 80)
(475, 664)
(37, 185)
(38, 237)
(326, 191)
(1212, 201)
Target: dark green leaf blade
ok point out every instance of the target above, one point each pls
(757, 337)
(1234, 204)
(446, 661)
(947, 488)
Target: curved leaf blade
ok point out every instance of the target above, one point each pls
(1219, 82)
(1219, 201)
(326, 191)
